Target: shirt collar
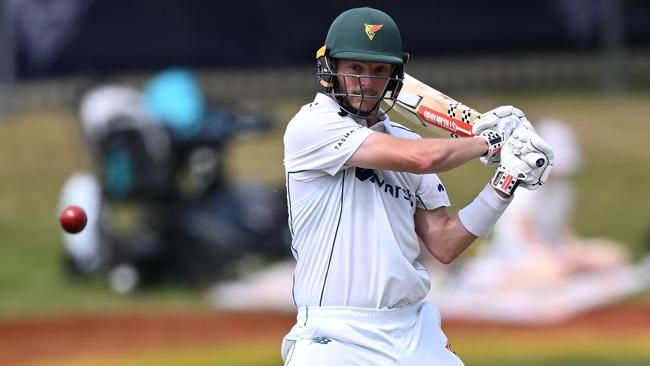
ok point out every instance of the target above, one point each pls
(327, 100)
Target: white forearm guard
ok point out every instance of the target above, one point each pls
(480, 216)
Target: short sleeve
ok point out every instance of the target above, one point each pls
(321, 141)
(431, 193)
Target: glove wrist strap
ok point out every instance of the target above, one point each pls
(504, 181)
(494, 141)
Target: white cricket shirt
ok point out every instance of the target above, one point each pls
(353, 229)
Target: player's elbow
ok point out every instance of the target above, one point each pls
(446, 258)
(420, 165)
(443, 255)
(446, 251)
(425, 163)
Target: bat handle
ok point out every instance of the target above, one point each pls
(535, 160)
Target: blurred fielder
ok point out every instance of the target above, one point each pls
(534, 242)
(362, 189)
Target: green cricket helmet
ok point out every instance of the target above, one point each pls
(362, 34)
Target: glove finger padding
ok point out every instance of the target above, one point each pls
(540, 157)
(522, 117)
(527, 124)
(501, 121)
(487, 121)
(506, 110)
(537, 172)
(526, 159)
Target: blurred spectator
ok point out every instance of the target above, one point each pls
(160, 205)
(534, 242)
(535, 269)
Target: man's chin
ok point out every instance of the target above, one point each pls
(364, 107)
(367, 109)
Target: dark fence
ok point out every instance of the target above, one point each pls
(67, 37)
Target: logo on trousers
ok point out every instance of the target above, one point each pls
(321, 340)
(448, 347)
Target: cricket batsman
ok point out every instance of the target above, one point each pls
(363, 189)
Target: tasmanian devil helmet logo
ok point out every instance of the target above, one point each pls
(371, 29)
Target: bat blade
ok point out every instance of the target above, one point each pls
(427, 107)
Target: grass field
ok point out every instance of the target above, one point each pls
(240, 355)
(476, 350)
(38, 151)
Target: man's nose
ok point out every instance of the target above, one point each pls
(365, 82)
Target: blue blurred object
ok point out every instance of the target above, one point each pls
(119, 180)
(174, 98)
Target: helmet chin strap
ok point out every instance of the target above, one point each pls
(342, 99)
(347, 108)
(334, 89)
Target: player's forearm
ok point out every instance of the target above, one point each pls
(453, 241)
(442, 155)
(443, 234)
(421, 156)
(447, 236)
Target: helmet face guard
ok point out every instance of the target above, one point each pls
(329, 80)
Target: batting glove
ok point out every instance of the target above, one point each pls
(500, 121)
(526, 160)
(538, 155)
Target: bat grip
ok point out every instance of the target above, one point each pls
(534, 160)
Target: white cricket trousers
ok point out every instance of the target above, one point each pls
(332, 336)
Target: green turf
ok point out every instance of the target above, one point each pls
(579, 361)
(525, 350)
(256, 353)
(550, 348)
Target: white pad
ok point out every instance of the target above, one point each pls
(83, 190)
(480, 216)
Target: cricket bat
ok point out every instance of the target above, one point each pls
(440, 114)
(427, 107)
(433, 110)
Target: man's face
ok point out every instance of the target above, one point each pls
(367, 86)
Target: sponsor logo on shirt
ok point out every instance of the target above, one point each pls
(393, 190)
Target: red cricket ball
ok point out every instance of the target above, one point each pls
(73, 219)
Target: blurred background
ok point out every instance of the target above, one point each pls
(164, 120)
